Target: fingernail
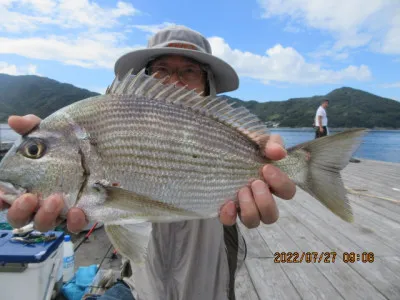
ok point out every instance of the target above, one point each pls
(245, 198)
(28, 116)
(271, 173)
(50, 206)
(258, 187)
(74, 219)
(24, 205)
(73, 232)
(232, 210)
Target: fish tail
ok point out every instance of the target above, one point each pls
(322, 160)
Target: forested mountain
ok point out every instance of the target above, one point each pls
(32, 94)
(348, 107)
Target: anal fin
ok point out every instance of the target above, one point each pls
(131, 241)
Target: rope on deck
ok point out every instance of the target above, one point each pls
(356, 192)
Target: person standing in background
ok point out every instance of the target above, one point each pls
(321, 120)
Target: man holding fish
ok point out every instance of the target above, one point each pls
(186, 257)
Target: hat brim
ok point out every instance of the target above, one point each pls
(226, 79)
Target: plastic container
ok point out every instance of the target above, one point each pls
(68, 259)
(29, 271)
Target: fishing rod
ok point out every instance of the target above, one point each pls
(85, 238)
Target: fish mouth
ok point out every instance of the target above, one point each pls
(9, 192)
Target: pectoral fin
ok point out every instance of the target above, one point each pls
(142, 206)
(131, 240)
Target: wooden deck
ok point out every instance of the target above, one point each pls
(307, 226)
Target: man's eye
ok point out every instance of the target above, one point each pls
(161, 70)
(192, 70)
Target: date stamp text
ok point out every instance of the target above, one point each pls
(322, 257)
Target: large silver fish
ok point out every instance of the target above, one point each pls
(147, 152)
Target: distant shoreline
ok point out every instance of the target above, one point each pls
(332, 128)
(287, 128)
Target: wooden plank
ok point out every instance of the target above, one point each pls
(392, 206)
(392, 262)
(352, 280)
(384, 227)
(372, 205)
(319, 218)
(381, 275)
(244, 288)
(380, 190)
(256, 246)
(270, 280)
(377, 177)
(305, 277)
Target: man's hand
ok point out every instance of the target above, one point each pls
(321, 129)
(256, 201)
(47, 212)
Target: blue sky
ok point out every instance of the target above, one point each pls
(280, 48)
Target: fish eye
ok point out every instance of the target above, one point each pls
(33, 148)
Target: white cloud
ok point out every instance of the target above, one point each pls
(40, 6)
(352, 23)
(283, 65)
(333, 54)
(61, 13)
(391, 85)
(90, 36)
(7, 68)
(391, 43)
(86, 50)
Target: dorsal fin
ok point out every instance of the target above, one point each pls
(215, 107)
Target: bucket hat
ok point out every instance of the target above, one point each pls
(180, 40)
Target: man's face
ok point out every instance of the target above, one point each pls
(325, 104)
(181, 70)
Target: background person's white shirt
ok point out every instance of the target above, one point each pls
(321, 112)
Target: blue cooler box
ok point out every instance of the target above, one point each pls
(30, 271)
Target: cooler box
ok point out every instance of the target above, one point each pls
(29, 271)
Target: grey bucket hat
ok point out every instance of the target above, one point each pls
(180, 40)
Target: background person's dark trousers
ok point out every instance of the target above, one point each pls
(319, 134)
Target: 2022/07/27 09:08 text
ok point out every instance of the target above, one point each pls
(322, 257)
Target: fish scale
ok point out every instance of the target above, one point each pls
(166, 125)
(115, 160)
(172, 166)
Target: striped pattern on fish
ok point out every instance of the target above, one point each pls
(149, 152)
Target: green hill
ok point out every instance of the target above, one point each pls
(36, 95)
(348, 107)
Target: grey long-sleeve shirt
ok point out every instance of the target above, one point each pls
(194, 260)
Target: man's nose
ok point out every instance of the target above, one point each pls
(175, 78)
